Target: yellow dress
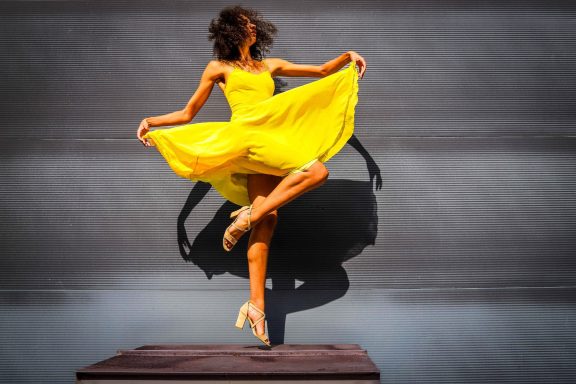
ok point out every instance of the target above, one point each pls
(275, 135)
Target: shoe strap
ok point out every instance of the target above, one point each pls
(238, 228)
(255, 307)
(261, 318)
(257, 321)
(249, 213)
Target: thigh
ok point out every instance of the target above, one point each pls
(260, 186)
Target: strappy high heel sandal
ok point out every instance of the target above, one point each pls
(243, 315)
(229, 241)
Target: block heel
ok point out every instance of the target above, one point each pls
(242, 315)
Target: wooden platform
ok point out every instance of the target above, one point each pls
(234, 363)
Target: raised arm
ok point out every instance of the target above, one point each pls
(280, 67)
(213, 73)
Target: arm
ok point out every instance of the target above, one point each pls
(373, 169)
(211, 75)
(279, 67)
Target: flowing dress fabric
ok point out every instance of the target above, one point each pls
(267, 134)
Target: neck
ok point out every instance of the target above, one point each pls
(245, 53)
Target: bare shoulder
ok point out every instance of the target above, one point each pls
(274, 60)
(274, 64)
(215, 69)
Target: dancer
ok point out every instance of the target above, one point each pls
(273, 148)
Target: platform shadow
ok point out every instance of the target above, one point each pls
(315, 234)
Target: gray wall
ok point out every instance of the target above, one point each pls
(461, 268)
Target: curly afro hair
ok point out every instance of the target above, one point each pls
(229, 30)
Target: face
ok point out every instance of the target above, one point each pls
(251, 30)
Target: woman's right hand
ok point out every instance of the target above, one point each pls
(142, 130)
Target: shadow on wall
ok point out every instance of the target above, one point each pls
(315, 234)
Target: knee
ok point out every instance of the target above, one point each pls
(320, 174)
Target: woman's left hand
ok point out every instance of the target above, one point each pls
(358, 60)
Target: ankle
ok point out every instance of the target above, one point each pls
(244, 220)
(258, 303)
(255, 216)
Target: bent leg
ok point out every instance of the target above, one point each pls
(259, 187)
(289, 188)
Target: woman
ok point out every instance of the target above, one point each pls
(273, 148)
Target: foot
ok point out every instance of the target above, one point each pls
(235, 230)
(254, 315)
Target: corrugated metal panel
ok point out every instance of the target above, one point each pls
(461, 269)
(436, 67)
(452, 212)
